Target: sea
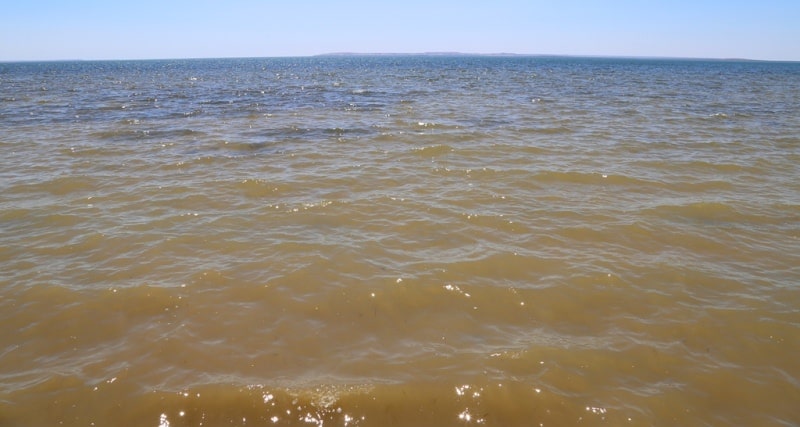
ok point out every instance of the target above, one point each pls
(400, 240)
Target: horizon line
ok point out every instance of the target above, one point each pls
(431, 53)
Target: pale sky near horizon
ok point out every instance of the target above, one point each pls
(148, 29)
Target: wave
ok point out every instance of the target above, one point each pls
(59, 186)
(600, 178)
(722, 213)
(127, 134)
(433, 150)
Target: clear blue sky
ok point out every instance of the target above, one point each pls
(125, 29)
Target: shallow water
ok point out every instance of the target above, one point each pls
(365, 241)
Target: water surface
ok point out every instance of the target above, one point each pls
(371, 241)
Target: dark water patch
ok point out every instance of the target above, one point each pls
(120, 135)
(348, 132)
(125, 133)
(179, 134)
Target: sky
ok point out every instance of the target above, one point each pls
(150, 29)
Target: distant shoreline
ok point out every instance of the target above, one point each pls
(425, 54)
